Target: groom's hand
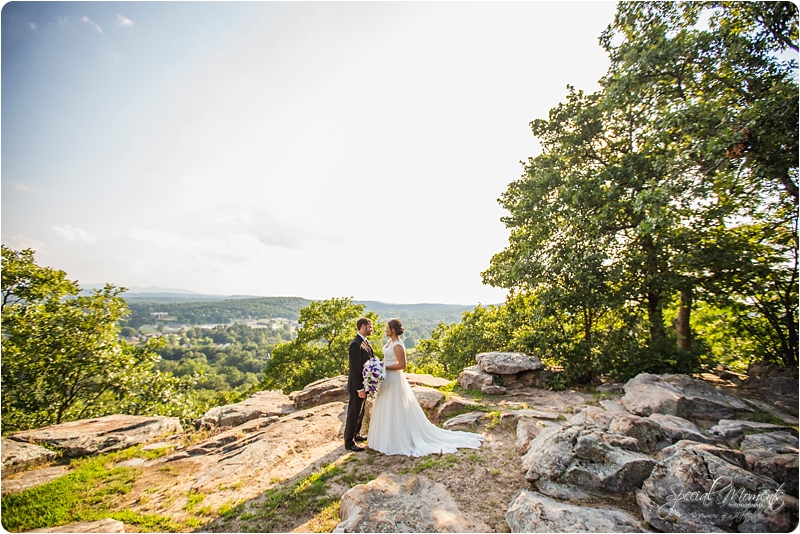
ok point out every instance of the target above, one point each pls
(362, 393)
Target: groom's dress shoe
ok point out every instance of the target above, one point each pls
(355, 448)
(360, 438)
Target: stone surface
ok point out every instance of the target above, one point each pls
(236, 457)
(30, 479)
(103, 525)
(680, 395)
(782, 468)
(778, 442)
(679, 428)
(403, 503)
(533, 512)
(693, 488)
(733, 430)
(612, 406)
(427, 397)
(426, 380)
(527, 430)
(472, 378)
(19, 455)
(780, 414)
(100, 435)
(465, 421)
(454, 405)
(260, 404)
(507, 363)
(321, 392)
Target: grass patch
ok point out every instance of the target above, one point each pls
(87, 493)
(306, 496)
(326, 520)
(193, 499)
(443, 462)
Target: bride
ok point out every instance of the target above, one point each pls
(398, 425)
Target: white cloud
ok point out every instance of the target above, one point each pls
(63, 21)
(32, 25)
(74, 234)
(22, 187)
(21, 242)
(93, 24)
(124, 21)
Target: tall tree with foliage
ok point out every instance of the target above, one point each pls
(675, 183)
(61, 357)
(320, 348)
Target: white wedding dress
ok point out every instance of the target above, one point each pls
(399, 426)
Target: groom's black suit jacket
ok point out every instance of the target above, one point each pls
(360, 352)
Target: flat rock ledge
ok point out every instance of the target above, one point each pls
(260, 404)
(682, 396)
(533, 512)
(18, 456)
(103, 525)
(100, 435)
(403, 503)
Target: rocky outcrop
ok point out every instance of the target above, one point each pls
(321, 392)
(681, 396)
(697, 487)
(497, 372)
(403, 503)
(454, 405)
(533, 512)
(261, 404)
(237, 455)
(426, 380)
(100, 435)
(103, 525)
(18, 455)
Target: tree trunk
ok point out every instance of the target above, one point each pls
(682, 322)
(655, 316)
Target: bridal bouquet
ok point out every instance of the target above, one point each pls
(373, 373)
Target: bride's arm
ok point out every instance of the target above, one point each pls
(400, 353)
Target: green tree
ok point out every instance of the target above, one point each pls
(62, 359)
(320, 348)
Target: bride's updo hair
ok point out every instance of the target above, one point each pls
(396, 325)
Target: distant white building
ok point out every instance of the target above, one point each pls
(159, 315)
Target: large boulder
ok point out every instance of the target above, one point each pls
(100, 435)
(403, 503)
(18, 455)
(533, 512)
(573, 462)
(680, 395)
(321, 392)
(261, 404)
(696, 487)
(507, 363)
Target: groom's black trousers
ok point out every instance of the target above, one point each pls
(355, 416)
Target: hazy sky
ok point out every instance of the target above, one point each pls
(280, 148)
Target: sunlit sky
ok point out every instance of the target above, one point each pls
(331, 149)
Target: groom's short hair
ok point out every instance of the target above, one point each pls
(362, 322)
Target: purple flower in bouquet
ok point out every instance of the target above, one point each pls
(373, 373)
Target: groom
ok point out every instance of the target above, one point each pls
(360, 352)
